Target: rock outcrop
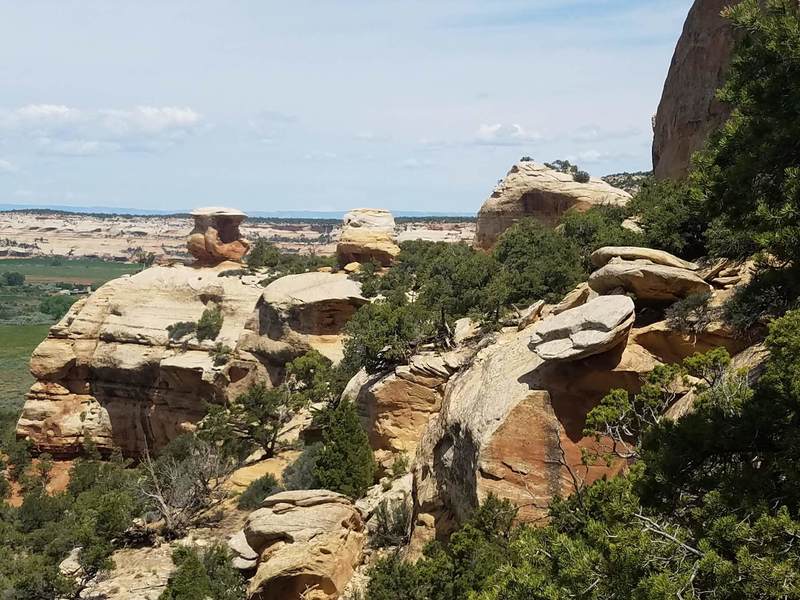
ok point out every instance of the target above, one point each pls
(112, 372)
(533, 190)
(310, 310)
(511, 424)
(689, 111)
(593, 328)
(602, 256)
(302, 544)
(368, 235)
(395, 407)
(647, 280)
(109, 372)
(215, 237)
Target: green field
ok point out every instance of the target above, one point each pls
(86, 271)
(16, 344)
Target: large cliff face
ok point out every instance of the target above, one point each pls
(689, 111)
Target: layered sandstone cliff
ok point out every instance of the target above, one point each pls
(689, 110)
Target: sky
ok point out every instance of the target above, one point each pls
(415, 105)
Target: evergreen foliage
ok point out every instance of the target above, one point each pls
(345, 463)
(210, 324)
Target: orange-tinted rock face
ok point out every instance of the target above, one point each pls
(689, 111)
(215, 237)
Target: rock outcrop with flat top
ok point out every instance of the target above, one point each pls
(368, 235)
(215, 237)
(689, 111)
(109, 372)
(647, 280)
(303, 544)
(533, 190)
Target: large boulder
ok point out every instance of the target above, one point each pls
(533, 190)
(303, 544)
(110, 372)
(689, 110)
(215, 237)
(647, 280)
(368, 235)
(511, 425)
(310, 309)
(592, 328)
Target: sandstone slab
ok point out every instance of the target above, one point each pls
(602, 256)
(647, 281)
(592, 328)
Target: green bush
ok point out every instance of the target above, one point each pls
(537, 263)
(392, 523)
(12, 278)
(597, 227)
(257, 491)
(672, 216)
(301, 474)
(345, 463)
(771, 293)
(210, 324)
(209, 575)
(581, 176)
(221, 354)
(56, 306)
(692, 314)
(180, 330)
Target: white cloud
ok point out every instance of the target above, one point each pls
(63, 130)
(499, 134)
(592, 133)
(7, 167)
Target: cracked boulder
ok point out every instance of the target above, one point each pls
(592, 328)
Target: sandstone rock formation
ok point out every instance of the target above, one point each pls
(215, 237)
(647, 281)
(602, 256)
(109, 371)
(510, 424)
(303, 544)
(593, 328)
(310, 310)
(533, 190)
(368, 235)
(396, 407)
(689, 111)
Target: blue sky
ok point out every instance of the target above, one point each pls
(408, 105)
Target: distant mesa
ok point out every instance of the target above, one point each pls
(368, 235)
(534, 190)
(216, 237)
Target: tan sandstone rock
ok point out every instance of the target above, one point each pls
(307, 542)
(602, 256)
(592, 328)
(108, 371)
(533, 190)
(647, 281)
(689, 110)
(311, 309)
(215, 237)
(368, 235)
(510, 424)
